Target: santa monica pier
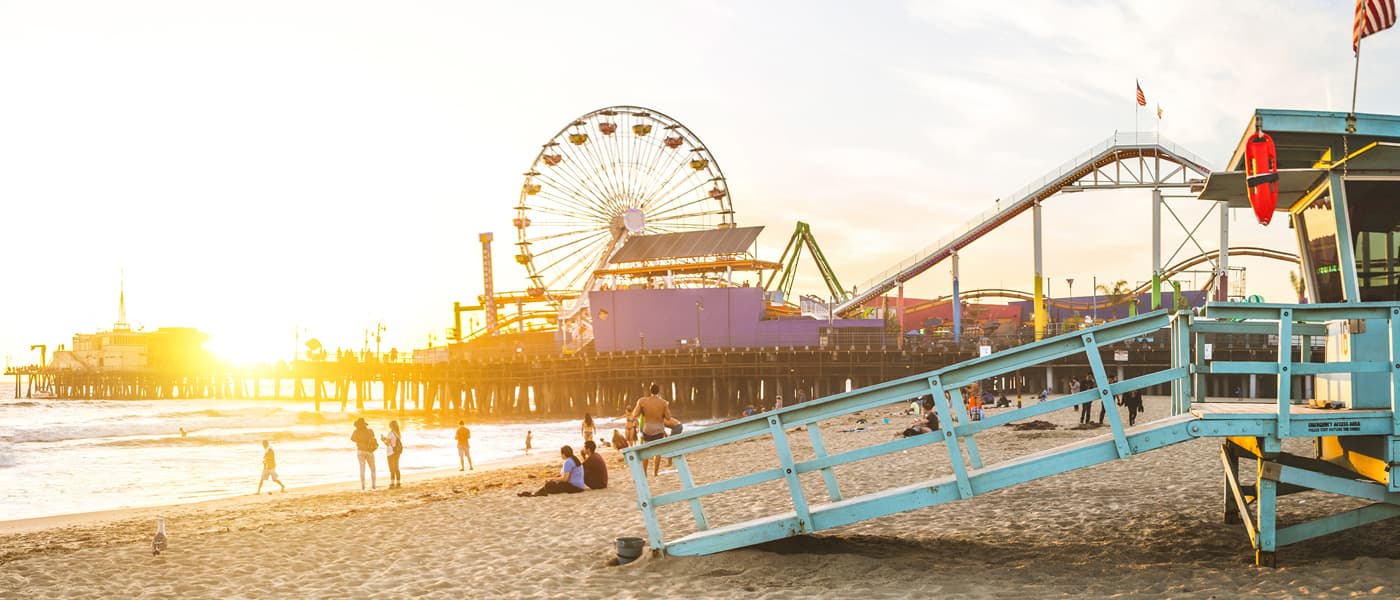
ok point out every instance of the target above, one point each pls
(640, 269)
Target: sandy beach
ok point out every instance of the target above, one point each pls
(1147, 527)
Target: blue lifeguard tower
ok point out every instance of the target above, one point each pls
(1339, 183)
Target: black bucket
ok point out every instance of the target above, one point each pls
(629, 549)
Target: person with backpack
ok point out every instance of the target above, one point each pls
(393, 445)
(365, 445)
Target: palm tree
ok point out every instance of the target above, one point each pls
(1300, 285)
(1118, 294)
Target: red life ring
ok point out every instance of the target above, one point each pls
(1261, 175)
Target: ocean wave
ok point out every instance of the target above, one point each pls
(145, 427)
(219, 439)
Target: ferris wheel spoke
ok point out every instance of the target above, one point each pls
(686, 194)
(562, 234)
(678, 189)
(580, 198)
(592, 153)
(553, 248)
(576, 266)
(673, 227)
(651, 158)
(677, 176)
(585, 213)
(576, 166)
(681, 216)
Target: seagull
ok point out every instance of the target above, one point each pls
(159, 543)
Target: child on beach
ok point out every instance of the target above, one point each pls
(269, 470)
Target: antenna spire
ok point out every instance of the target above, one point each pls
(121, 307)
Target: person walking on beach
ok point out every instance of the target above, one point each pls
(464, 447)
(528, 434)
(588, 428)
(269, 469)
(365, 445)
(1133, 402)
(393, 445)
(653, 413)
(1103, 406)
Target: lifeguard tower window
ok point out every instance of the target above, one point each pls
(1317, 225)
(1374, 209)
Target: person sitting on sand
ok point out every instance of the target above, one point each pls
(928, 424)
(618, 440)
(595, 469)
(570, 479)
(269, 468)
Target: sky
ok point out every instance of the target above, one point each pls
(270, 172)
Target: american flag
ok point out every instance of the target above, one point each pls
(1372, 16)
(1142, 98)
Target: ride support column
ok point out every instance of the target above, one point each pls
(1222, 281)
(1038, 305)
(1156, 249)
(957, 305)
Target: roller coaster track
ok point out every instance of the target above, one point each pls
(1136, 160)
(1065, 304)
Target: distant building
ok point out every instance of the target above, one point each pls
(168, 349)
(176, 350)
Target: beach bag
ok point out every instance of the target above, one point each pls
(398, 445)
(373, 444)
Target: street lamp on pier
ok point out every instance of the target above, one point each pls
(699, 308)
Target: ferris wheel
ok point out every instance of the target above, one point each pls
(608, 175)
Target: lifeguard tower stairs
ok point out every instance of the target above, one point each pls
(1341, 189)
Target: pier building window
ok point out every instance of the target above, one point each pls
(1317, 227)
(1374, 211)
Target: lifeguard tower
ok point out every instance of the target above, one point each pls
(1339, 185)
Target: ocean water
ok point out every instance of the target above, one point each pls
(69, 456)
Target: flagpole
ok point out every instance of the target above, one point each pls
(1355, 75)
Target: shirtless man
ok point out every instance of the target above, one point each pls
(654, 413)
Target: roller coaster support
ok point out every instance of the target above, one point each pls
(957, 306)
(1222, 280)
(1039, 303)
(899, 316)
(1156, 248)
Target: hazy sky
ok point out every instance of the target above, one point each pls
(256, 167)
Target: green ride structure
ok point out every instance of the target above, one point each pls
(1339, 183)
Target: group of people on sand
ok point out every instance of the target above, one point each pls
(1131, 400)
(650, 420)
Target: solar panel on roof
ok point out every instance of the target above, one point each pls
(687, 244)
